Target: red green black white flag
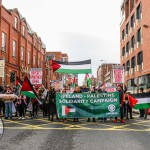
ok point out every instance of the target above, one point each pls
(28, 90)
(79, 67)
(66, 110)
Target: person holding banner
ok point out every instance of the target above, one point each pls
(2, 104)
(8, 104)
(102, 90)
(121, 98)
(77, 90)
(92, 90)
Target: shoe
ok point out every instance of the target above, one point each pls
(122, 121)
(19, 118)
(6, 117)
(127, 118)
(11, 118)
(141, 117)
(131, 118)
(115, 121)
(23, 118)
(145, 117)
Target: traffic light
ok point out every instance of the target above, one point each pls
(12, 77)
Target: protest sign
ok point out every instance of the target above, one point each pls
(36, 76)
(118, 74)
(78, 105)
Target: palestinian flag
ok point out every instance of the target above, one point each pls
(66, 110)
(140, 101)
(79, 67)
(74, 82)
(19, 82)
(27, 90)
(88, 80)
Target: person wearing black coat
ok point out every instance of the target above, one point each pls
(51, 99)
(121, 95)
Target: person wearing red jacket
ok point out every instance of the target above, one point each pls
(121, 98)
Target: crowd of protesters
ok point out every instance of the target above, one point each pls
(23, 104)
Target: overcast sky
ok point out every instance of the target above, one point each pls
(84, 29)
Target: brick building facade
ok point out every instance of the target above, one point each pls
(21, 47)
(59, 56)
(134, 43)
(104, 73)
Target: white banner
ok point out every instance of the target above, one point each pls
(36, 76)
(118, 74)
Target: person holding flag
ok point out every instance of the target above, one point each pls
(127, 108)
(88, 80)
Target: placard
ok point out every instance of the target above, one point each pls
(36, 76)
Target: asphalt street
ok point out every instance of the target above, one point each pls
(41, 134)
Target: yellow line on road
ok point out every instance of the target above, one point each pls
(28, 125)
(126, 125)
(88, 129)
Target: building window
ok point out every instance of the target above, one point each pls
(14, 48)
(34, 60)
(16, 23)
(22, 53)
(123, 35)
(28, 57)
(124, 67)
(123, 51)
(133, 62)
(132, 42)
(139, 11)
(132, 21)
(38, 62)
(140, 58)
(139, 35)
(23, 30)
(127, 47)
(128, 65)
(127, 28)
(3, 42)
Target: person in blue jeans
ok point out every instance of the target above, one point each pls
(8, 104)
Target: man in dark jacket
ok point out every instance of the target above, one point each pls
(121, 95)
